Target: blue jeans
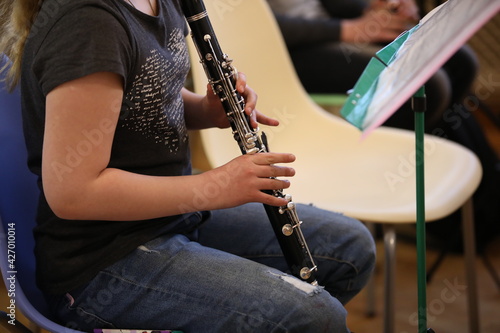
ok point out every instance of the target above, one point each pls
(228, 276)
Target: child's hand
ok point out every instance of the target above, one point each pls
(243, 179)
(250, 97)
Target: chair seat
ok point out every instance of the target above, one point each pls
(372, 178)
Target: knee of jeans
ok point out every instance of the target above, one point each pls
(366, 258)
(309, 309)
(367, 245)
(326, 313)
(362, 256)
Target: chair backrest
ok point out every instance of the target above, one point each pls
(18, 191)
(18, 203)
(336, 168)
(249, 34)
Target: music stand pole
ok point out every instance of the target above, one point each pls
(419, 107)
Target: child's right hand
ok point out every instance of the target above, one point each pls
(243, 179)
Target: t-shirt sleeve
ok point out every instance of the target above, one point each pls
(84, 41)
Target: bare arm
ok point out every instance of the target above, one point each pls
(79, 185)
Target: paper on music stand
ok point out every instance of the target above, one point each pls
(412, 59)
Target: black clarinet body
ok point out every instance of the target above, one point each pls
(222, 77)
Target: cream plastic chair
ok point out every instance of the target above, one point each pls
(372, 180)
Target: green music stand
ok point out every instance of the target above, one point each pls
(397, 73)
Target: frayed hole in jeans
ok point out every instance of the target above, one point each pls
(145, 249)
(308, 288)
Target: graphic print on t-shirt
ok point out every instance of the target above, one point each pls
(155, 107)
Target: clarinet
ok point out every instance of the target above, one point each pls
(222, 77)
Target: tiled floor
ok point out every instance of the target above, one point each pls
(447, 311)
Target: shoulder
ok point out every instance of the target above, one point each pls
(73, 38)
(76, 22)
(77, 13)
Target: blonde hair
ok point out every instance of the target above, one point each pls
(16, 19)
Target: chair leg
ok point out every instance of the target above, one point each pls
(491, 269)
(370, 286)
(433, 268)
(389, 277)
(469, 239)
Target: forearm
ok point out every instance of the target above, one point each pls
(117, 195)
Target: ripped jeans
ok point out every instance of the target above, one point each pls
(228, 277)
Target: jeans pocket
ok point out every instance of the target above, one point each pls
(79, 312)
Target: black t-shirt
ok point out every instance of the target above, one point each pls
(74, 38)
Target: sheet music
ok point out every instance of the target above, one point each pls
(439, 35)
